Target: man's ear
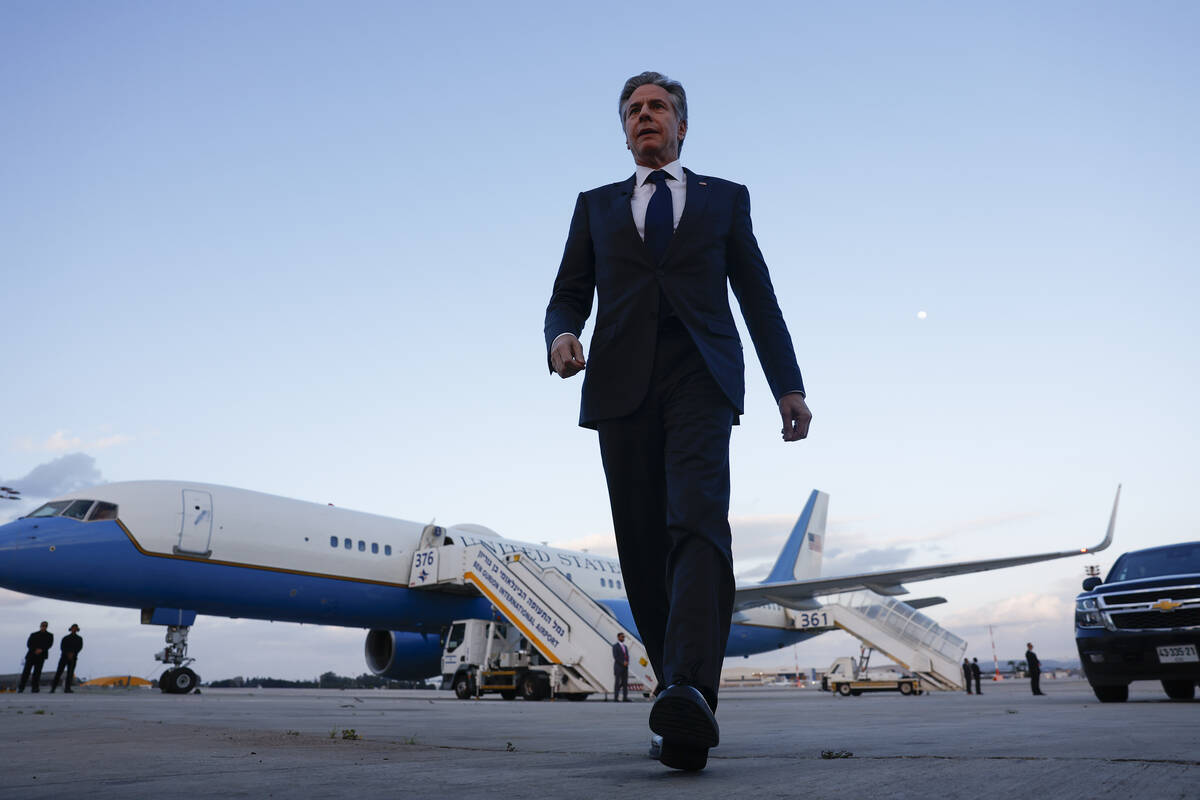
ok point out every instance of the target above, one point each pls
(682, 130)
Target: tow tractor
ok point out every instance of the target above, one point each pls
(485, 656)
(850, 678)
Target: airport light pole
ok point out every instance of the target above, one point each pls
(995, 660)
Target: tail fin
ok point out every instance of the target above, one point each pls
(801, 554)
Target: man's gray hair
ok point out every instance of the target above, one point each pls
(673, 88)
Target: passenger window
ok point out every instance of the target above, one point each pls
(375, 547)
(333, 541)
(78, 509)
(50, 509)
(103, 511)
(362, 546)
(618, 584)
(387, 549)
(347, 544)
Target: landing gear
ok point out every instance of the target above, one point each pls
(179, 679)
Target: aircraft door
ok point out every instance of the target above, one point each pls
(195, 525)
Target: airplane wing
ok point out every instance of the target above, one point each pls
(802, 594)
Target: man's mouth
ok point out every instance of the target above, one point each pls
(646, 132)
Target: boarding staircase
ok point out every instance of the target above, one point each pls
(566, 626)
(903, 634)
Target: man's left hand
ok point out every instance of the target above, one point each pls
(796, 416)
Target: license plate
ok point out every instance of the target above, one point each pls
(1177, 654)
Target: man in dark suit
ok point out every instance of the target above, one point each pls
(71, 644)
(620, 668)
(664, 385)
(966, 668)
(1035, 669)
(977, 674)
(37, 647)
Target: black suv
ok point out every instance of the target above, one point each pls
(1142, 623)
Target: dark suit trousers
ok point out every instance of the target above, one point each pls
(33, 664)
(69, 665)
(620, 680)
(667, 466)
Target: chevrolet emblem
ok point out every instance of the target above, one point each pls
(1166, 605)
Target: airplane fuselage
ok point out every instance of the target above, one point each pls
(229, 552)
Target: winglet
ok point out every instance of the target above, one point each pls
(1112, 526)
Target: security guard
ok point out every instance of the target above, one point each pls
(72, 643)
(37, 648)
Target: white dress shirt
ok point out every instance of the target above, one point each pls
(643, 191)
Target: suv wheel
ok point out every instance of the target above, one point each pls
(1111, 694)
(1179, 690)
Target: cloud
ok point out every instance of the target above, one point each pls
(1021, 611)
(841, 562)
(63, 474)
(61, 442)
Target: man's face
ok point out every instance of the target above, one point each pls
(652, 129)
(44, 625)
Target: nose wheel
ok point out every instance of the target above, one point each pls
(180, 680)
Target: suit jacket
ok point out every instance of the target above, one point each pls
(1032, 661)
(41, 640)
(620, 653)
(713, 247)
(71, 644)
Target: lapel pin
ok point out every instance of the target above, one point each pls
(703, 183)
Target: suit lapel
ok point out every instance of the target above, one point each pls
(693, 212)
(620, 214)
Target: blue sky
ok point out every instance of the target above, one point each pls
(305, 248)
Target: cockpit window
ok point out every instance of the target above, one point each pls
(52, 509)
(78, 509)
(102, 511)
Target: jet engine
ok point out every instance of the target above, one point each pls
(400, 655)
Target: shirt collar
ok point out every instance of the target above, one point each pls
(674, 169)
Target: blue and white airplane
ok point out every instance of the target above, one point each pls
(175, 550)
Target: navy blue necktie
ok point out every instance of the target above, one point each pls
(660, 217)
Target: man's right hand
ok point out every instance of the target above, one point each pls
(567, 356)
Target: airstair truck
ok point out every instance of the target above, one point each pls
(849, 678)
(548, 638)
(487, 656)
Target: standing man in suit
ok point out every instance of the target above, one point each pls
(976, 674)
(37, 647)
(71, 644)
(1035, 669)
(967, 674)
(664, 384)
(620, 668)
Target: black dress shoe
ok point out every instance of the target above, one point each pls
(678, 756)
(682, 717)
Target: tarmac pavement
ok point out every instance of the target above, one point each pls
(295, 743)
